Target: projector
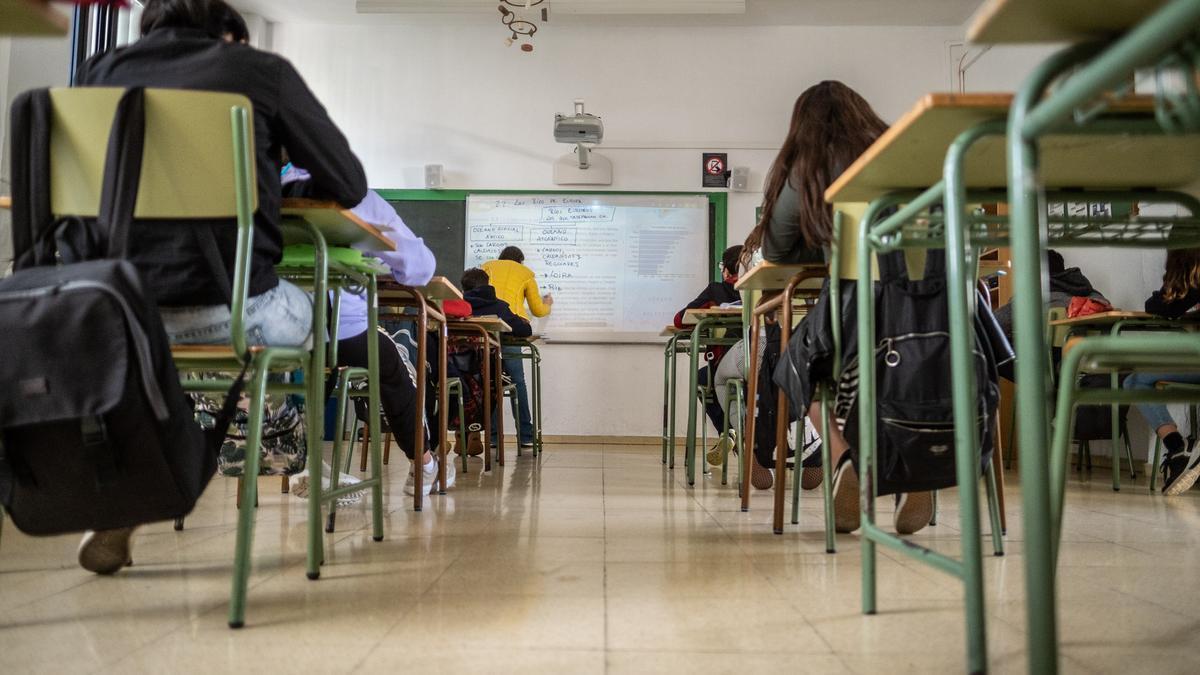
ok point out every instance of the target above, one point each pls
(581, 127)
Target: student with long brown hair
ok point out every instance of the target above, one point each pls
(1180, 293)
(832, 125)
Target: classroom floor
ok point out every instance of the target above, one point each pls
(599, 561)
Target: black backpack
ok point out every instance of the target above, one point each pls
(914, 398)
(95, 430)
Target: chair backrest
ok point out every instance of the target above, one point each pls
(187, 165)
(1057, 335)
(845, 248)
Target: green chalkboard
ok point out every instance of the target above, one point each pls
(442, 224)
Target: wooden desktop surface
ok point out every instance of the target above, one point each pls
(340, 226)
(692, 317)
(31, 18)
(438, 288)
(911, 153)
(768, 276)
(5, 202)
(492, 324)
(1023, 21)
(1109, 318)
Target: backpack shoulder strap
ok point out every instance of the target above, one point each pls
(892, 266)
(935, 263)
(123, 170)
(30, 121)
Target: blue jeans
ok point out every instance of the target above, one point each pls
(1156, 414)
(515, 369)
(281, 317)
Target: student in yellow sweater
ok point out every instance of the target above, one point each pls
(515, 284)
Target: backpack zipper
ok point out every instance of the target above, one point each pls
(141, 344)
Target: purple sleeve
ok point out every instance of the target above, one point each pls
(412, 262)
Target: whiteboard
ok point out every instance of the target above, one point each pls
(619, 266)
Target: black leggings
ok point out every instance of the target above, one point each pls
(397, 388)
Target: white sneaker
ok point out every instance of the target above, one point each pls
(428, 478)
(298, 486)
(451, 474)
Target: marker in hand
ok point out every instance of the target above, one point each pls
(548, 299)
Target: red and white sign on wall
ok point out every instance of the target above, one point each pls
(715, 170)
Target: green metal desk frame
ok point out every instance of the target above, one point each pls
(1035, 112)
(534, 356)
(703, 335)
(678, 343)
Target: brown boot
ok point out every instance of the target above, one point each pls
(459, 446)
(106, 551)
(474, 444)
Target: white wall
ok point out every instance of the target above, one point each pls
(455, 95)
(25, 63)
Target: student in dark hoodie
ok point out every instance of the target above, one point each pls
(1180, 293)
(478, 291)
(1065, 283)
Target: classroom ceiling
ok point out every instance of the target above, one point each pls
(629, 12)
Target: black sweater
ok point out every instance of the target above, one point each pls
(485, 303)
(714, 294)
(286, 115)
(1174, 309)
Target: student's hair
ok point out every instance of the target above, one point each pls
(512, 253)
(1183, 273)
(1055, 262)
(214, 17)
(729, 261)
(474, 278)
(831, 126)
(228, 21)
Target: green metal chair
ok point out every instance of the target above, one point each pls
(1137, 351)
(199, 163)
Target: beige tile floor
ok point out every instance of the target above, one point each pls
(598, 560)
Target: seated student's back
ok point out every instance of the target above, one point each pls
(176, 53)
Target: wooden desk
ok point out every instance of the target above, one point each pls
(492, 324)
(911, 154)
(670, 331)
(1104, 318)
(693, 316)
(769, 276)
(31, 18)
(1022, 21)
(340, 226)
(441, 288)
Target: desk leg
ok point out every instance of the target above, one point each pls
(488, 412)
(442, 417)
(690, 456)
(674, 378)
(666, 393)
(537, 397)
(499, 370)
(419, 445)
(781, 417)
(750, 409)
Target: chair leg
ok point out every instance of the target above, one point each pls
(1154, 466)
(797, 471)
(286, 485)
(248, 493)
(934, 514)
(1128, 453)
(362, 451)
(994, 509)
(387, 447)
(179, 524)
(1000, 460)
(827, 468)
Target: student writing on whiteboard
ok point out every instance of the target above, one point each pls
(831, 126)
(515, 284)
